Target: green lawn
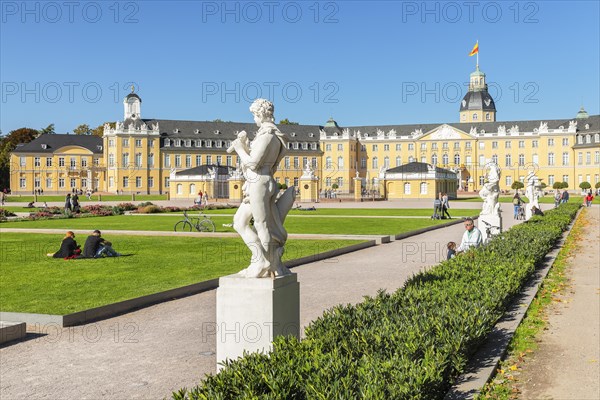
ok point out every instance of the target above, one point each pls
(338, 225)
(549, 199)
(125, 198)
(32, 282)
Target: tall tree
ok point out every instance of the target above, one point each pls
(49, 130)
(7, 144)
(83, 129)
(99, 130)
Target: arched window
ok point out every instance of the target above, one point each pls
(193, 188)
(406, 187)
(328, 163)
(179, 188)
(398, 161)
(340, 162)
(423, 187)
(386, 162)
(457, 159)
(445, 159)
(411, 159)
(375, 163)
(434, 159)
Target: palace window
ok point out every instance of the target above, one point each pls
(111, 160)
(534, 143)
(423, 146)
(474, 117)
(328, 147)
(340, 161)
(328, 181)
(495, 159)
(340, 182)
(535, 159)
(188, 160)
(457, 159)
(208, 160)
(565, 141)
(138, 142)
(494, 145)
(167, 160)
(22, 183)
(423, 187)
(507, 144)
(423, 159)
(508, 180)
(398, 161)
(481, 160)
(406, 187)
(565, 178)
(411, 146)
(125, 142)
(150, 142)
(521, 160)
(296, 163)
(597, 157)
(434, 159)
(177, 161)
(73, 182)
(219, 160)
(61, 182)
(73, 162)
(386, 147)
(550, 180)
(588, 158)
(150, 182)
(375, 147)
(375, 163)
(37, 162)
(550, 158)
(521, 144)
(111, 142)
(550, 142)
(445, 146)
(286, 162)
(363, 162)
(138, 181)
(167, 182)
(565, 159)
(228, 161)
(481, 145)
(456, 145)
(151, 160)
(340, 147)
(398, 146)
(445, 159)
(37, 183)
(386, 162)
(588, 138)
(411, 159)
(468, 146)
(84, 161)
(314, 163)
(138, 159)
(125, 162)
(580, 158)
(434, 146)
(48, 161)
(508, 160)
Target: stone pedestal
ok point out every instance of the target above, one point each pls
(493, 220)
(308, 190)
(235, 189)
(357, 189)
(252, 311)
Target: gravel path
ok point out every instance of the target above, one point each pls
(567, 363)
(149, 353)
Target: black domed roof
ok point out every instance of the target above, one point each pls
(130, 95)
(480, 100)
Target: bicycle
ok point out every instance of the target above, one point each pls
(201, 225)
(491, 232)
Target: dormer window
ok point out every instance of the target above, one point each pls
(311, 134)
(208, 143)
(295, 145)
(176, 130)
(304, 146)
(293, 134)
(177, 143)
(188, 143)
(167, 142)
(99, 147)
(217, 132)
(198, 143)
(587, 126)
(197, 131)
(44, 146)
(218, 143)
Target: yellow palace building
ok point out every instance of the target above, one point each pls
(158, 156)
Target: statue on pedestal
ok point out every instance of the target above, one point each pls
(262, 201)
(491, 190)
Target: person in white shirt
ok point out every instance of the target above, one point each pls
(471, 238)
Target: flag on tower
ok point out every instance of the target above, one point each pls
(475, 49)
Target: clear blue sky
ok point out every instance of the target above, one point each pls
(364, 63)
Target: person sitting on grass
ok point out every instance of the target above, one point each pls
(30, 205)
(95, 247)
(68, 248)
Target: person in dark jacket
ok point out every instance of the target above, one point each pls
(95, 246)
(68, 202)
(68, 247)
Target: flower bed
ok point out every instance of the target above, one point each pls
(410, 344)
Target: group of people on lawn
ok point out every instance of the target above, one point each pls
(95, 247)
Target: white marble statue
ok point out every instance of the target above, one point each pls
(308, 172)
(491, 190)
(263, 201)
(532, 192)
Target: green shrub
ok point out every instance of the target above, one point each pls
(410, 344)
(151, 209)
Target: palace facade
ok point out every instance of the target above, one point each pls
(157, 156)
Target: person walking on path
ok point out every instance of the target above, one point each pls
(445, 205)
(565, 196)
(68, 202)
(517, 205)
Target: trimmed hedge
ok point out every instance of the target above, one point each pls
(410, 344)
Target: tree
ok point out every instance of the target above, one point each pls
(585, 186)
(557, 185)
(288, 122)
(597, 186)
(7, 144)
(99, 130)
(543, 185)
(517, 185)
(334, 186)
(83, 129)
(49, 130)
(564, 185)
